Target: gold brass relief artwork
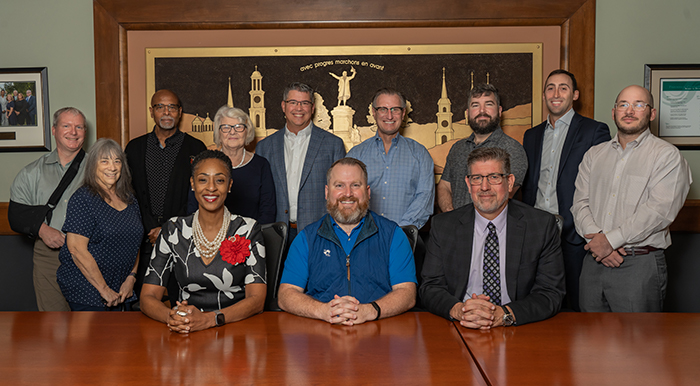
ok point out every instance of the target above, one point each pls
(435, 80)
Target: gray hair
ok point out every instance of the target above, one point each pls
(389, 91)
(234, 113)
(71, 110)
(298, 86)
(489, 154)
(105, 147)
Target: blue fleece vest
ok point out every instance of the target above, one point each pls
(368, 260)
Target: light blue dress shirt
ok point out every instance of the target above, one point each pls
(402, 181)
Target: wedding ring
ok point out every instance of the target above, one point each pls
(182, 313)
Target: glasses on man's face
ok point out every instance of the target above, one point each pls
(637, 106)
(239, 128)
(493, 178)
(295, 103)
(385, 110)
(159, 108)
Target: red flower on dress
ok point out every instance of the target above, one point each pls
(235, 249)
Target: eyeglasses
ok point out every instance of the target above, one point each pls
(295, 103)
(238, 128)
(637, 106)
(159, 108)
(385, 110)
(493, 178)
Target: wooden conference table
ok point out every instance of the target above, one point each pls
(411, 349)
(111, 348)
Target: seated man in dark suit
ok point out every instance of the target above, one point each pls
(494, 262)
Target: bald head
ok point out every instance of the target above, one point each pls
(163, 94)
(637, 90)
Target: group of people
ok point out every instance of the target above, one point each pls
(167, 216)
(16, 109)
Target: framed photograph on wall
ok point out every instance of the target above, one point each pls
(676, 92)
(25, 123)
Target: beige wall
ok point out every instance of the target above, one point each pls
(59, 35)
(632, 33)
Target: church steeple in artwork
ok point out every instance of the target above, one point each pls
(444, 130)
(257, 103)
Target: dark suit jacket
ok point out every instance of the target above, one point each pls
(534, 264)
(324, 149)
(583, 133)
(31, 105)
(178, 185)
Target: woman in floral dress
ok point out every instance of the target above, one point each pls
(218, 258)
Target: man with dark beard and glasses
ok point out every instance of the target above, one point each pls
(628, 192)
(484, 117)
(352, 265)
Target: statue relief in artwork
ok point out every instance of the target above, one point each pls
(344, 85)
(321, 119)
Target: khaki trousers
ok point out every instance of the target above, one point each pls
(48, 293)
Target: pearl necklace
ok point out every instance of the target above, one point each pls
(242, 159)
(208, 249)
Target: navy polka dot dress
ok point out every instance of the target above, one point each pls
(114, 240)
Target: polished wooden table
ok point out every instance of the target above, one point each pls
(592, 349)
(111, 348)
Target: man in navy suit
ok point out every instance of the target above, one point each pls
(31, 107)
(494, 262)
(300, 155)
(554, 150)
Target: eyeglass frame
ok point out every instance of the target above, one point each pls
(384, 110)
(172, 108)
(295, 103)
(634, 106)
(234, 127)
(503, 177)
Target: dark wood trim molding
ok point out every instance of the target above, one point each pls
(114, 18)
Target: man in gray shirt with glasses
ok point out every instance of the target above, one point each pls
(628, 192)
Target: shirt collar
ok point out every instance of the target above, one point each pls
(616, 141)
(481, 222)
(566, 119)
(303, 133)
(336, 226)
(496, 135)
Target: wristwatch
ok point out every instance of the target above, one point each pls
(508, 319)
(220, 318)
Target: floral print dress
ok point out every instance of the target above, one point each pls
(221, 283)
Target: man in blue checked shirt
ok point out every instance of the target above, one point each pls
(400, 169)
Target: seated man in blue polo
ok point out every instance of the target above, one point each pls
(352, 265)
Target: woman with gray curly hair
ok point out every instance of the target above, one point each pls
(253, 191)
(103, 235)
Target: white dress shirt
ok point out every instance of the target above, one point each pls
(295, 147)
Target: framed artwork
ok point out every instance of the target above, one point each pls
(676, 92)
(435, 80)
(25, 123)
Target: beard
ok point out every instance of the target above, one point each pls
(481, 127)
(347, 216)
(168, 123)
(487, 206)
(637, 128)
